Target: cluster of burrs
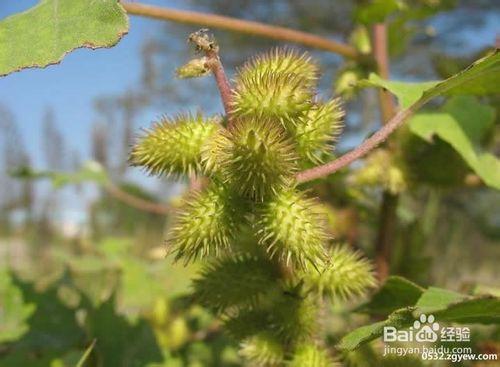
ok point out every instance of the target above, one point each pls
(269, 254)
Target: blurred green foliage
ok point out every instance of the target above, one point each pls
(138, 311)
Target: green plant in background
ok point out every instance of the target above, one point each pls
(270, 260)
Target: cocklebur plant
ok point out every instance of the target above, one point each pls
(188, 132)
(269, 259)
(381, 169)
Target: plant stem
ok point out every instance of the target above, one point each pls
(386, 233)
(370, 143)
(134, 201)
(387, 226)
(206, 43)
(222, 82)
(243, 26)
(381, 55)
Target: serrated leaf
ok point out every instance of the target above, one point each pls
(481, 310)
(361, 335)
(44, 34)
(450, 306)
(397, 292)
(480, 78)
(398, 319)
(445, 305)
(436, 298)
(461, 124)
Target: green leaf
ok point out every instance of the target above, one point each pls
(377, 10)
(398, 319)
(44, 34)
(480, 310)
(406, 92)
(90, 171)
(136, 282)
(436, 298)
(361, 335)
(13, 310)
(455, 307)
(139, 288)
(462, 123)
(120, 343)
(475, 119)
(445, 305)
(397, 292)
(53, 327)
(480, 78)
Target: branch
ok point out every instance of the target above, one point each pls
(222, 83)
(370, 143)
(243, 26)
(381, 56)
(386, 234)
(387, 110)
(387, 226)
(206, 43)
(135, 202)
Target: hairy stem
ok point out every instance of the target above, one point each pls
(222, 82)
(369, 144)
(242, 26)
(206, 43)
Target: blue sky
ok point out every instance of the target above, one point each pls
(71, 87)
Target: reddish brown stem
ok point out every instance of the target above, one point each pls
(221, 80)
(206, 43)
(370, 143)
(387, 226)
(385, 234)
(242, 26)
(381, 55)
